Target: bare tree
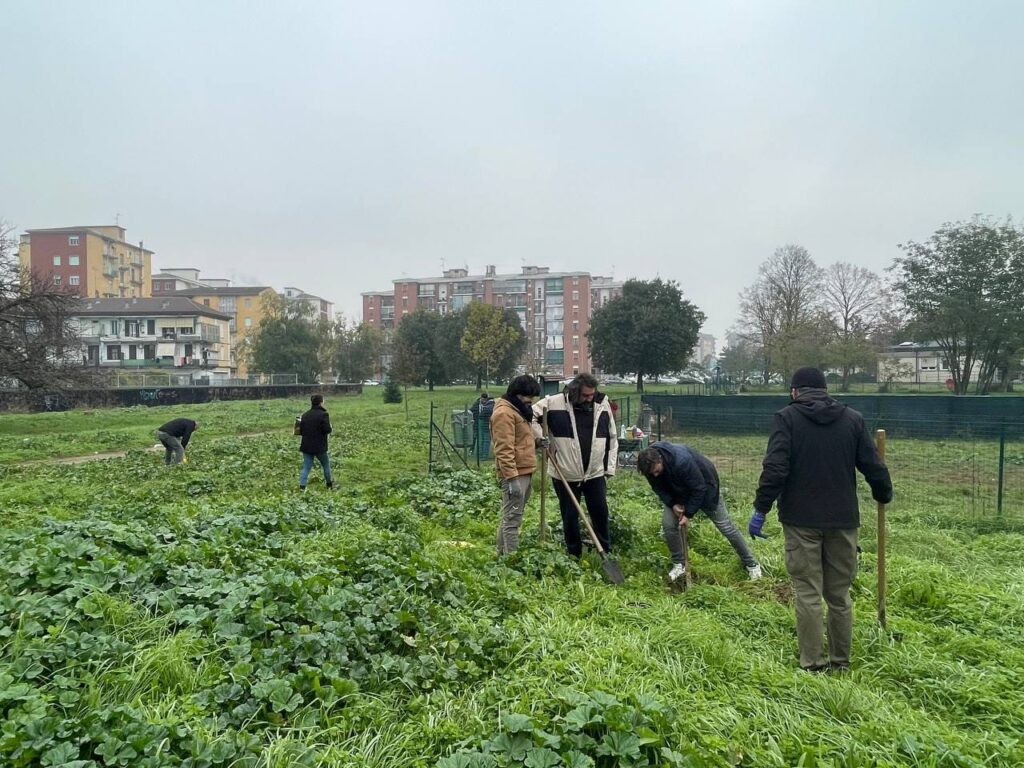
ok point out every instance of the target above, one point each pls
(782, 311)
(853, 301)
(39, 344)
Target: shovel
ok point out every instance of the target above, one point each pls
(687, 578)
(611, 568)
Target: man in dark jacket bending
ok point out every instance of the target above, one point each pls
(315, 426)
(816, 445)
(687, 483)
(174, 435)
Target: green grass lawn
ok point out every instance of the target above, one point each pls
(209, 615)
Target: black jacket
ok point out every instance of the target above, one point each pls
(181, 429)
(817, 444)
(688, 478)
(314, 427)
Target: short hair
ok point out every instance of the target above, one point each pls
(524, 385)
(646, 460)
(576, 386)
(316, 399)
(483, 396)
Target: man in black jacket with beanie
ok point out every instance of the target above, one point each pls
(816, 447)
(315, 426)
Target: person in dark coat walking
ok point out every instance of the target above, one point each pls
(315, 426)
(816, 447)
(687, 483)
(174, 435)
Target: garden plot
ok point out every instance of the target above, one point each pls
(208, 615)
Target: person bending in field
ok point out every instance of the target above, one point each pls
(174, 435)
(687, 483)
(815, 446)
(315, 426)
(515, 459)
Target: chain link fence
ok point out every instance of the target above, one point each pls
(974, 465)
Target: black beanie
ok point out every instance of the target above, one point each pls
(808, 376)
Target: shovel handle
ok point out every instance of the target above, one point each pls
(684, 536)
(543, 481)
(579, 509)
(880, 443)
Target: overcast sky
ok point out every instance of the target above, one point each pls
(336, 146)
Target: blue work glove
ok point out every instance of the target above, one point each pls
(755, 525)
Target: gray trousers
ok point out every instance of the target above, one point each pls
(515, 492)
(725, 525)
(822, 563)
(173, 448)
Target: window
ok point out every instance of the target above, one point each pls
(206, 302)
(575, 325)
(73, 260)
(72, 239)
(56, 279)
(248, 321)
(248, 303)
(56, 261)
(151, 327)
(73, 280)
(113, 352)
(575, 295)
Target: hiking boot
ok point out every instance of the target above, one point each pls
(677, 572)
(754, 572)
(816, 669)
(837, 668)
(302, 489)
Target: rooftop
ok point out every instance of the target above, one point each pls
(172, 305)
(229, 290)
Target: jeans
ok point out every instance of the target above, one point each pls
(307, 465)
(515, 492)
(725, 525)
(596, 494)
(822, 563)
(173, 445)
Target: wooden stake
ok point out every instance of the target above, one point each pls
(880, 443)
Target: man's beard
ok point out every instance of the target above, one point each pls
(586, 405)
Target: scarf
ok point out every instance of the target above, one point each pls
(524, 410)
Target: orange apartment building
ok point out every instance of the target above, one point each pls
(92, 262)
(553, 307)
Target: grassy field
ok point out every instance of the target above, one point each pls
(209, 615)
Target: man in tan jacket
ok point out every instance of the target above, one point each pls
(515, 456)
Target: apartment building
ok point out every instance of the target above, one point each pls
(164, 333)
(243, 304)
(553, 307)
(183, 278)
(95, 262)
(704, 352)
(320, 308)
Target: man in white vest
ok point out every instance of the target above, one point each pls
(585, 447)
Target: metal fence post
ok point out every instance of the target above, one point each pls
(1002, 465)
(659, 422)
(430, 437)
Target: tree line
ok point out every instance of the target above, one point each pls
(960, 289)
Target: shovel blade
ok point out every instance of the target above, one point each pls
(613, 571)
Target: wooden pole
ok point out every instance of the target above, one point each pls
(544, 481)
(880, 443)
